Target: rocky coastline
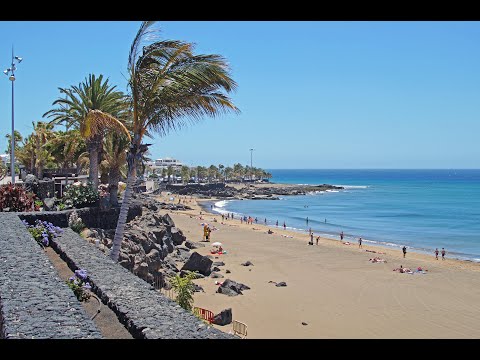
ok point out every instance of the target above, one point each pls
(250, 191)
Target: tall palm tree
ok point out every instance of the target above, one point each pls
(114, 162)
(43, 134)
(26, 153)
(17, 136)
(91, 107)
(170, 87)
(66, 147)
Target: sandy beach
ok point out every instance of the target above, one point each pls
(333, 287)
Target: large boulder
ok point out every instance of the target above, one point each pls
(197, 262)
(177, 236)
(167, 241)
(49, 204)
(159, 234)
(223, 318)
(193, 245)
(231, 288)
(141, 270)
(167, 220)
(30, 178)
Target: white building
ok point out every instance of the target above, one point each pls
(159, 164)
(5, 158)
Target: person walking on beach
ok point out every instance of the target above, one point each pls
(436, 253)
(360, 242)
(404, 249)
(341, 236)
(443, 254)
(318, 238)
(311, 238)
(284, 226)
(256, 220)
(276, 223)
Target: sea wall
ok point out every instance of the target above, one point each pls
(91, 216)
(34, 302)
(145, 312)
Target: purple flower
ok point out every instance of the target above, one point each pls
(45, 242)
(87, 286)
(72, 278)
(82, 274)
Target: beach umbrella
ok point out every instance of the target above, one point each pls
(217, 244)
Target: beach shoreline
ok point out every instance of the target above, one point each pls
(332, 287)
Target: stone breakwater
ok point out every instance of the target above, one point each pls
(255, 192)
(34, 302)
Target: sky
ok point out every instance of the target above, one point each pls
(312, 94)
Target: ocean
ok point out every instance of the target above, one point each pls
(419, 209)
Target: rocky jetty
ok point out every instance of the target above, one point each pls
(251, 192)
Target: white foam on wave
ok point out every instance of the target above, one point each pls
(221, 204)
(331, 190)
(354, 186)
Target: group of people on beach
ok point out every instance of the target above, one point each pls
(443, 253)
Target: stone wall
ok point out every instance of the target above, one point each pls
(41, 188)
(91, 216)
(34, 302)
(145, 312)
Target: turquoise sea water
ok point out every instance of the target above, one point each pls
(421, 209)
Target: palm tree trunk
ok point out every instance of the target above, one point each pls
(92, 147)
(122, 217)
(113, 180)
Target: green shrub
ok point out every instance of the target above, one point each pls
(184, 288)
(16, 198)
(81, 195)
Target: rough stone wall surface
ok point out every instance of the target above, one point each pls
(91, 216)
(145, 312)
(34, 301)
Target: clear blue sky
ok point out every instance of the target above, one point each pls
(312, 94)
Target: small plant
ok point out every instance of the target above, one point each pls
(43, 231)
(81, 195)
(16, 198)
(79, 284)
(75, 222)
(61, 206)
(184, 288)
(38, 204)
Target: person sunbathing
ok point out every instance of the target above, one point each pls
(377, 259)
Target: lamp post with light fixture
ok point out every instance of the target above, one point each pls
(11, 71)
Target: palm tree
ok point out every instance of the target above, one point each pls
(43, 134)
(26, 153)
(170, 87)
(221, 171)
(91, 107)
(170, 173)
(185, 171)
(114, 162)
(17, 137)
(66, 147)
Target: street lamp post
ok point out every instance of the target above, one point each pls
(251, 167)
(11, 71)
